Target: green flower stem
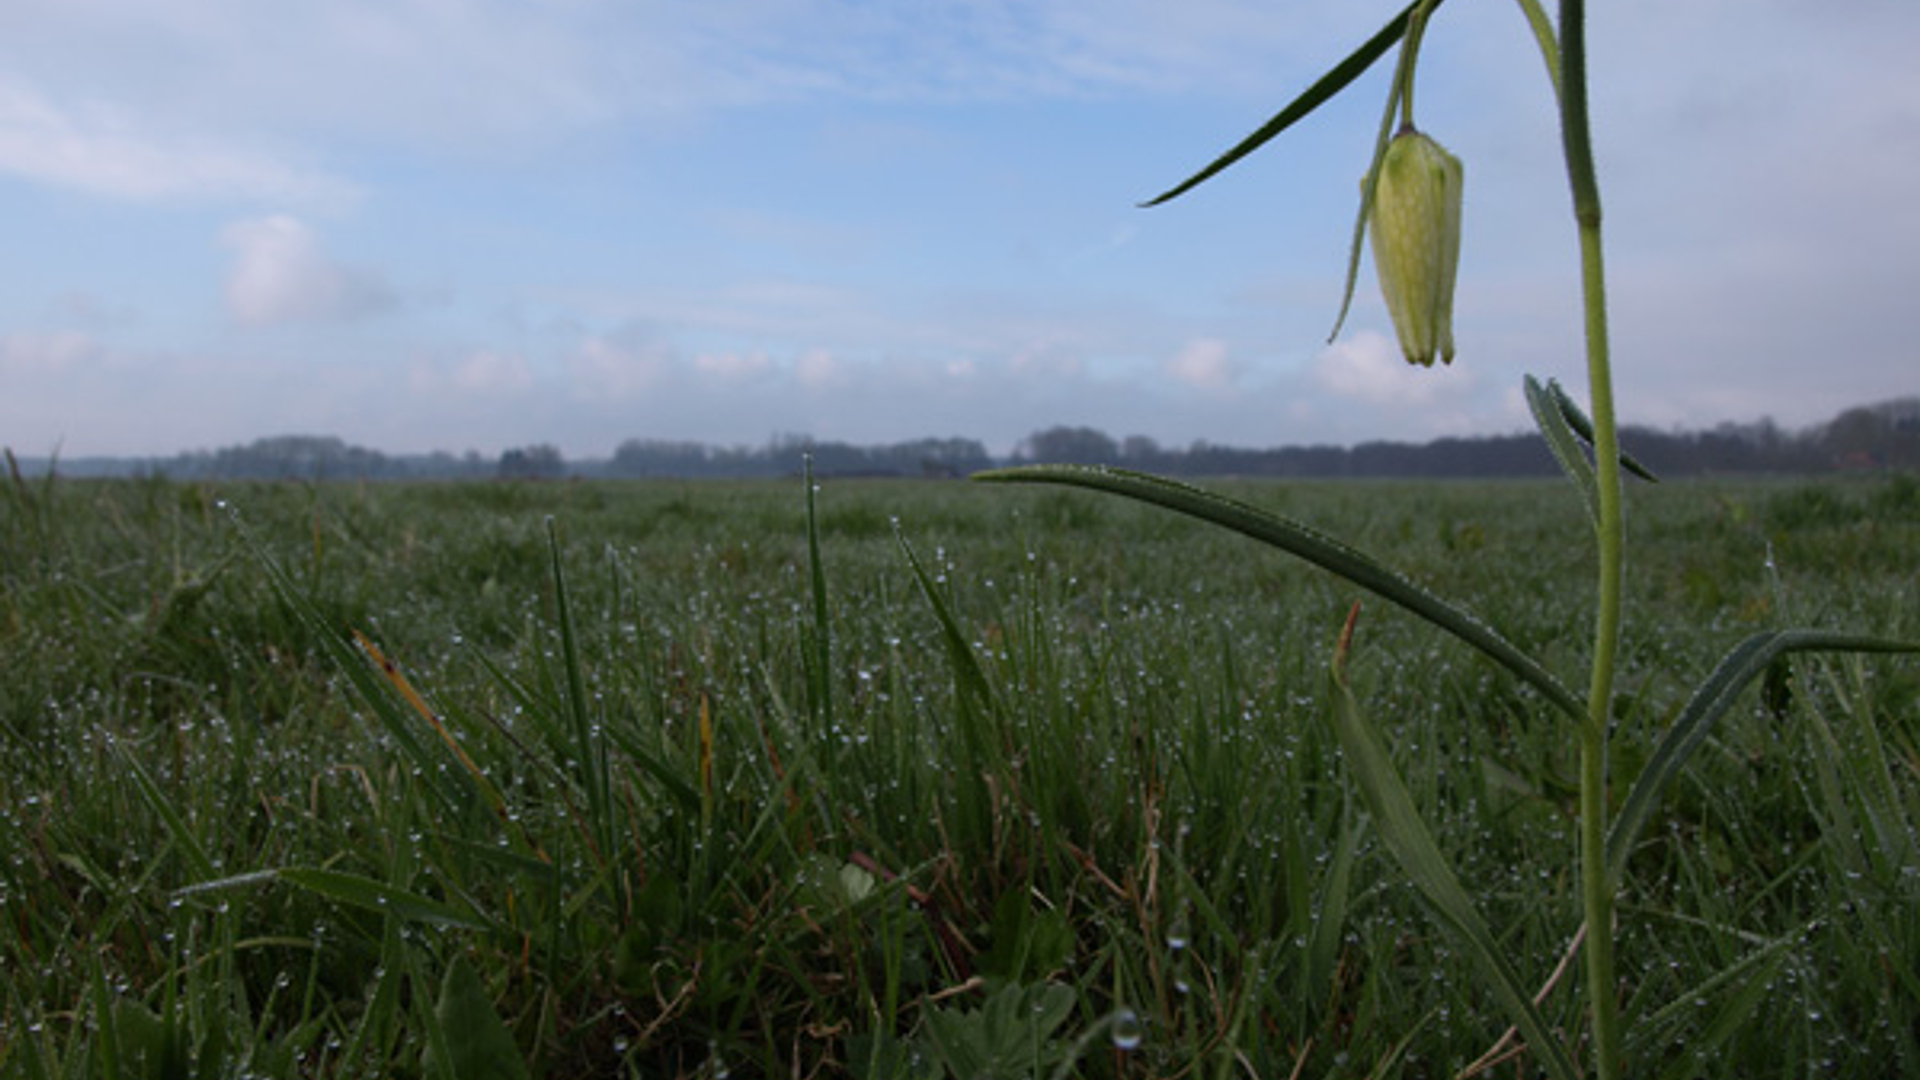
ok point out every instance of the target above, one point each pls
(1596, 883)
(1409, 60)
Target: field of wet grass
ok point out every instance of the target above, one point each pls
(649, 779)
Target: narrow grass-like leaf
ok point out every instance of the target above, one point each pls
(451, 787)
(104, 1017)
(1577, 419)
(198, 861)
(820, 681)
(1330, 923)
(590, 747)
(1412, 844)
(404, 687)
(1321, 550)
(1323, 89)
(1554, 427)
(621, 736)
(476, 1044)
(357, 891)
(365, 892)
(374, 1034)
(1742, 977)
(1709, 703)
(966, 666)
(1752, 979)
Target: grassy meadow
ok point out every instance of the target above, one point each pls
(982, 782)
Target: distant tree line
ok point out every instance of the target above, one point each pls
(1880, 436)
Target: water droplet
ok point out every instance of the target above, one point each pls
(1126, 1029)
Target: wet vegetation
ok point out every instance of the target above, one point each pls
(648, 779)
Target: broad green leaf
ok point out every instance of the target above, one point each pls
(475, 1043)
(1407, 837)
(1314, 547)
(1560, 439)
(1316, 95)
(1744, 663)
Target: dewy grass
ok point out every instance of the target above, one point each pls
(1142, 808)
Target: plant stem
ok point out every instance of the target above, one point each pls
(1597, 888)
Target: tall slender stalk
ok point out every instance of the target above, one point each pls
(1596, 884)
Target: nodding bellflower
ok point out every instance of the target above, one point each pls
(1415, 225)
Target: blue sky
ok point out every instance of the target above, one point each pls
(423, 224)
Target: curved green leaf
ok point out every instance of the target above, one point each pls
(1583, 427)
(1709, 703)
(1322, 551)
(1314, 96)
(1414, 848)
(1555, 429)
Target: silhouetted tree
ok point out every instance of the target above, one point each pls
(538, 462)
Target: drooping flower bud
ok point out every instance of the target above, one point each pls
(1415, 223)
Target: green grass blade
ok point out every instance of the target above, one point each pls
(1321, 550)
(1746, 981)
(590, 746)
(1555, 428)
(1744, 663)
(1329, 917)
(966, 666)
(1736, 981)
(355, 890)
(1413, 847)
(365, 892)
(1323, 89)
(452, 787)
(820, 681)
(198, 861)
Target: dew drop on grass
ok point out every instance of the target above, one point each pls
(1127, 1030)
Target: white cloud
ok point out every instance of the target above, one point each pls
(732, 367)
(101, 150)
(1366, 366)
(1047, 360)
(280, 274)
(620, 367)
(1202, 363)
(29, 353)
(817, 368)
(482, 373)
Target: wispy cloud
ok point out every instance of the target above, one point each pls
(102, 150)
(1204, 363)
(280, 274)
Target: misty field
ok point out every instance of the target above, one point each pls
(980, 782)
